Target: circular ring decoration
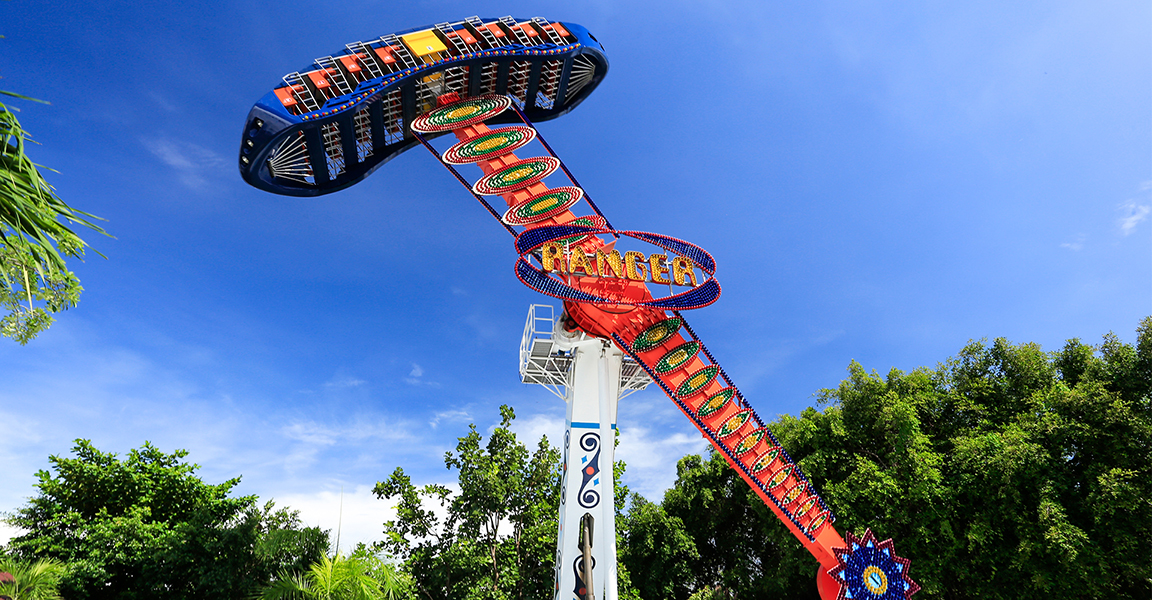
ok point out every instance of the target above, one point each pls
(516, 176)
(461, 114)
(875, 580)
(657, 334)
(536, 278)
(716, 401)
(698, 381)
(495, 143)
(677, 357)
(543, 206)
(870, 569)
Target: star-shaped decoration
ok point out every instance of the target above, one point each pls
(870, 570)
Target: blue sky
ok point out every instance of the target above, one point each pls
(876, 182)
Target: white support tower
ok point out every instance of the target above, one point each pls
(591, 375)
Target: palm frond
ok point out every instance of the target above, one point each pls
(32, 581)
(29, 207)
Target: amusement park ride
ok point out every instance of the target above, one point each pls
(330, 126)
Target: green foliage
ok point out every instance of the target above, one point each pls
(147, 527)
(1005, 472)
(34, 234)
(30, 580)
(656, 551)
(713, 593)
(362, 576)
(463, 555)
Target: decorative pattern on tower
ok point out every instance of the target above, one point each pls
(871, 570)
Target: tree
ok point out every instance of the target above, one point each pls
(147, 527)
(656, 551)
(1005, 472)
(34, 234)
(36, 580)
(465, 555)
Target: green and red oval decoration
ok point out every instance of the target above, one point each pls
(698, 381)
(487, 146)
(461, 114)
(818, 522)
(657, 334)
(543, 206)
(779, 477)
(715, 402)
(793, 494)
(749, 442)
(516, 176)
(805, 507)
(767, 459)
(734, 423)
(677, 357)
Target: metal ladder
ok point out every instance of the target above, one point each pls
(454, 41)
(489, 39)
(553, 37)
(295, 82)
(334, 73)
(519, 33)
(400, 48)
(369, 62)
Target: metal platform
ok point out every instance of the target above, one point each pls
(542, 362)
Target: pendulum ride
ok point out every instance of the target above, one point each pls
(331, 125)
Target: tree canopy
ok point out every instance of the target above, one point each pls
(1004, 472)
(498, 536)
(146, 527)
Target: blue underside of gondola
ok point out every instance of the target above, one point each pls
(269, 124)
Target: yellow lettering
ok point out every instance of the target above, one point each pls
(613, 260)
(656, 261)
(682, 270)
(552, 257)
(579, 262)
(634, 266)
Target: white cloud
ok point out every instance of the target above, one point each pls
(189, 160)
(356, 517)
(651, 457)
(1132, 215)
(451, 416)
(344, 381)
(7, 532)
(529, 430)
(414, 377)
(310, 433)
(1077, 244)
(354, 513)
